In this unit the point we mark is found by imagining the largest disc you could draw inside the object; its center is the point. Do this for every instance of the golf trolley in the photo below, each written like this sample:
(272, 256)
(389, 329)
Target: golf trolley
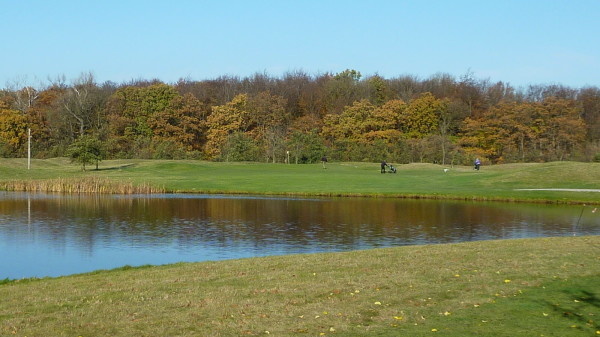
(391, 169)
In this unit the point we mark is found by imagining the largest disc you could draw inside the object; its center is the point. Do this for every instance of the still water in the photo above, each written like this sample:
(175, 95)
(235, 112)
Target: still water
(53, 234)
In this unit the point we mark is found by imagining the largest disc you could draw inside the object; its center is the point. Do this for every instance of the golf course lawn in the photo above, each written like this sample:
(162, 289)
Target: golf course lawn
(510, 182)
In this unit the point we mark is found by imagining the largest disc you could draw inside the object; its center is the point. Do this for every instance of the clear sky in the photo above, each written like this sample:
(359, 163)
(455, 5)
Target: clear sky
(520, 42)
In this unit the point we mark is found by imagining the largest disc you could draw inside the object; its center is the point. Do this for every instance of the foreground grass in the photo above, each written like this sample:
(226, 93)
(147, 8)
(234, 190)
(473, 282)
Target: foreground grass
(533, 287)
(498, 182)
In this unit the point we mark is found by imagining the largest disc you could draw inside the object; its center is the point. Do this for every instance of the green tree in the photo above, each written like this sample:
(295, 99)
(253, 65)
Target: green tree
(378, 90)
(240, 147)
(306, 147)
(86, 149)
(128, 111)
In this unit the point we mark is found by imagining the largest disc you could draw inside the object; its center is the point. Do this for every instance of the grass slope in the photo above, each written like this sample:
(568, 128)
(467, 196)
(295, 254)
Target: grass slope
(532, 287)
(498, 182)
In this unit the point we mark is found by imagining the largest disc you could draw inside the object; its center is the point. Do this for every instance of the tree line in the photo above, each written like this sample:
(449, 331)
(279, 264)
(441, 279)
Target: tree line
(301, 117)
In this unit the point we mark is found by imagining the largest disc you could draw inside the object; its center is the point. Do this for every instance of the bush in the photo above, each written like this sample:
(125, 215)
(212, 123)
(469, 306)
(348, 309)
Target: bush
(240, 147)
(167, 150)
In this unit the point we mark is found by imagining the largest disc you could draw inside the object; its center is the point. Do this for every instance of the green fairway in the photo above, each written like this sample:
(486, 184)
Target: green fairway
(498, 182)
(531, 287)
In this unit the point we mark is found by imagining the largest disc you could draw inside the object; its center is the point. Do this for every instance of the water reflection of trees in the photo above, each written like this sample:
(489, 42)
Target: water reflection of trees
(260, 222)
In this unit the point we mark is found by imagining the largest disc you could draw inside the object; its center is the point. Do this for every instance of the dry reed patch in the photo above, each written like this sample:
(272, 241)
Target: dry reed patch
(79, 185)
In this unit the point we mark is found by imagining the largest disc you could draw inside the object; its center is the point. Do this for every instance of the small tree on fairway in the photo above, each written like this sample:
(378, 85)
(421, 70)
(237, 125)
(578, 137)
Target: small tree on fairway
(86, 150)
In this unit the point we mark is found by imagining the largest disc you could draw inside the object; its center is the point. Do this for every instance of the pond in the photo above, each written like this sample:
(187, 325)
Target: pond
(53, 234)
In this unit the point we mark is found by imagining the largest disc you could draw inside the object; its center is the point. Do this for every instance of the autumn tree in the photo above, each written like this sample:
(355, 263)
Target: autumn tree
(13, 131)
(342, 89)
(268, 122)
(440, 85)
(45, 123)
(349, 118)
(404, 87)
(355, 132)
(449, 116)
(469, 92)
(589, 100)
(83, 103)
(563, 129)
(181, 124)
(529, 131)
(296, 87)
(223, 121)
(421, 116)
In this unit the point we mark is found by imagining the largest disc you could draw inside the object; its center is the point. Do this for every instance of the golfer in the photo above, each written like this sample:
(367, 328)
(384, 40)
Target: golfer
(383, 165)
(477, 164)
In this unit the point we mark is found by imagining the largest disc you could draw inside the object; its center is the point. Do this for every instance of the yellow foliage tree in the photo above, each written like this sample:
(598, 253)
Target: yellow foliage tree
(13, 129)
(422, 116)
(225, 120)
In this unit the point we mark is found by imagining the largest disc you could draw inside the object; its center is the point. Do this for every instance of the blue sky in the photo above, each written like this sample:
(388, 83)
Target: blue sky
(520, 42)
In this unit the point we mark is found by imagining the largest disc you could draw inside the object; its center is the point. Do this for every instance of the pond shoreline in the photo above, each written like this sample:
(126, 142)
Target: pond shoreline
(106, 186)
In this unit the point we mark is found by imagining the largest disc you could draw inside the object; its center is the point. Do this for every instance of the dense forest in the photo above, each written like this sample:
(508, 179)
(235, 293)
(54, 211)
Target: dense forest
(301, 117)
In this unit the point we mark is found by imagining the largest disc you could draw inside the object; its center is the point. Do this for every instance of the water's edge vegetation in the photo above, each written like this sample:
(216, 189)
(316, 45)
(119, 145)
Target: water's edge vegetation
(79, 185)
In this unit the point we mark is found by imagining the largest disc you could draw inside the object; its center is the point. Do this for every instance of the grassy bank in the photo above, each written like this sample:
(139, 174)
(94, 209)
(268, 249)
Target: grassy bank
(533, 287)
(498, 182)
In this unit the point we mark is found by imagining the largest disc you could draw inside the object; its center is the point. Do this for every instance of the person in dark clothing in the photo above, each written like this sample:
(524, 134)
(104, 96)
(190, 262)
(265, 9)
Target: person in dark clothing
(383, 166)
(324, 161)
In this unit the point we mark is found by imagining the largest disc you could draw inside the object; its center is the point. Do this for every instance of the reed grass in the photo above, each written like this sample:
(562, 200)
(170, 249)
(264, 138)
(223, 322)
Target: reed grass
(80, 185)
